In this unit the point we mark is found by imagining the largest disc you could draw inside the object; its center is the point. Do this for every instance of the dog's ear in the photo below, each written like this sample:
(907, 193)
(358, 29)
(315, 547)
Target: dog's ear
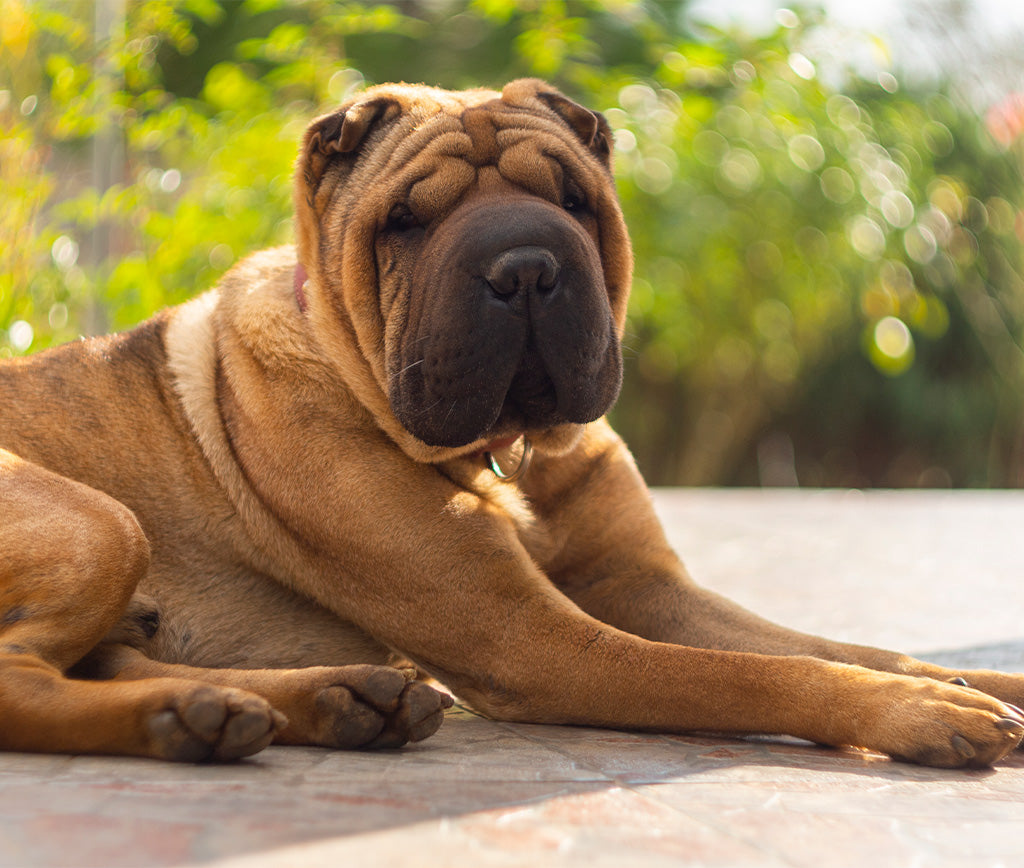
(342, 132)
(591, 127)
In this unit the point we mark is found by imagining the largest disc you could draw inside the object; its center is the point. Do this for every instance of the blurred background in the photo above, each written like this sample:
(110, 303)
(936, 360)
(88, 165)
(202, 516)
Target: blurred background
(825, 202)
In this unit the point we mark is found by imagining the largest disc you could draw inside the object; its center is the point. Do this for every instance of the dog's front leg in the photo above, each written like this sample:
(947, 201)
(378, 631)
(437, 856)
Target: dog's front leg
(450, 585)
(502, 637)
(616, 564)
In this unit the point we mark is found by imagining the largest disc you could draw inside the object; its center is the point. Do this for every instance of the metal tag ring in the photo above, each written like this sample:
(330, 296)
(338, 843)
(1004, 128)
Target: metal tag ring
(524, 463)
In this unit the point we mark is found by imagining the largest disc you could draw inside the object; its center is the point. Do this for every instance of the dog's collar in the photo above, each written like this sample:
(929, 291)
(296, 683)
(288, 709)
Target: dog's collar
(524, 459)
(299, 281)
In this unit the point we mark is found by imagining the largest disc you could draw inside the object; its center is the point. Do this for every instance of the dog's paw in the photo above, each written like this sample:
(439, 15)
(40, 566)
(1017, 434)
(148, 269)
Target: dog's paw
(1007, 687)
(419, 715)
(212, 723)
(945, 725)
(370, 706)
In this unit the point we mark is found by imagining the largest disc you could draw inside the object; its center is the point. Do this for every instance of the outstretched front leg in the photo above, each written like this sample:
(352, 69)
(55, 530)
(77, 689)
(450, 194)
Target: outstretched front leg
(627, 575)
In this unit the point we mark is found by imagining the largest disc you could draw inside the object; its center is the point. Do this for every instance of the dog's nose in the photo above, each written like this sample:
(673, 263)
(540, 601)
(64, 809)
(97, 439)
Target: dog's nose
(523, 269)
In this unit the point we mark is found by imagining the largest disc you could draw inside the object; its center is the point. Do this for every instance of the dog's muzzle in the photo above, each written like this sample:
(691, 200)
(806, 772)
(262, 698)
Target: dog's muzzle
(509, 326)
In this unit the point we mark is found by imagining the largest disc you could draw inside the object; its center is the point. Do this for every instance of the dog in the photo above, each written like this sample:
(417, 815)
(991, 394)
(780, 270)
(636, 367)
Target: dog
(259, 516)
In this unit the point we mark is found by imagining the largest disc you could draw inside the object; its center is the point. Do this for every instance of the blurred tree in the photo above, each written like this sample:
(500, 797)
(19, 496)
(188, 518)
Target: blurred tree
(828, 278)
(800, 254)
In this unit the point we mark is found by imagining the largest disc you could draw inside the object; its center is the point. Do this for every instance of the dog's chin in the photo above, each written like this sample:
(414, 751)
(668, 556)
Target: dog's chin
(551, 441)
(528, 404)
(551, 435)
(557, 440)
(509, 426)
(513, 421)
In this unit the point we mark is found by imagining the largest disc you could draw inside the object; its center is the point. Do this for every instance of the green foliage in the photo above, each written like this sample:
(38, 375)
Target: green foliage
(830, 273)
(790, 238)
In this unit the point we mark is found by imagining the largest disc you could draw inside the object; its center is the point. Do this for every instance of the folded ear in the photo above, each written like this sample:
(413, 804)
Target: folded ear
(342, 132)
(591, 127)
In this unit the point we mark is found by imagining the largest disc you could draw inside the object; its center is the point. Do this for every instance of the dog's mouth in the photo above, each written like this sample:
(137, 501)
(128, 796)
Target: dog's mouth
(503, 412)
(531, 400)
(491, 392)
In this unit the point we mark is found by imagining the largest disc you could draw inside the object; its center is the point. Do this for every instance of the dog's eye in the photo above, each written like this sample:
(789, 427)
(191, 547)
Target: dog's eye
(401, 219)
(574, 203)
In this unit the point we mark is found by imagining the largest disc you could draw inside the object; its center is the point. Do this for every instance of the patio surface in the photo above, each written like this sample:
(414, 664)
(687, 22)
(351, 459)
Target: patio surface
(937, 574)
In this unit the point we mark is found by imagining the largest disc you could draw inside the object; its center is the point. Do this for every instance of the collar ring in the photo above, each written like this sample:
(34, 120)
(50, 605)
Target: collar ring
(520, 469)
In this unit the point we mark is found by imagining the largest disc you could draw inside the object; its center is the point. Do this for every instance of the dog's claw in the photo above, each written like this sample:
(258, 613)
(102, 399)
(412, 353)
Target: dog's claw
(963, 747)
(1010, 726)
(1018, 712)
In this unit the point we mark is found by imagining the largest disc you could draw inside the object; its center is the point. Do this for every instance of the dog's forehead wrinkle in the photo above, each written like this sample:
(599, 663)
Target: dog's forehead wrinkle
(479, 124)
(438, 155)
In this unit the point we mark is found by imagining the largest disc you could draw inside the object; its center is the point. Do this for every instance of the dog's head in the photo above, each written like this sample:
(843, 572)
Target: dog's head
(467, 261)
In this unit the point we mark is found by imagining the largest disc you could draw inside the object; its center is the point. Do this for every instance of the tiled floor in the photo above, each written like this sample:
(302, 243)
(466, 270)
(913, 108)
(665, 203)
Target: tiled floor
(936, 574)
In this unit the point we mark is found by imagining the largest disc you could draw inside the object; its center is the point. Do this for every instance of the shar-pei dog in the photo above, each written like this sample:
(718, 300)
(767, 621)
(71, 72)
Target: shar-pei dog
(267, 514)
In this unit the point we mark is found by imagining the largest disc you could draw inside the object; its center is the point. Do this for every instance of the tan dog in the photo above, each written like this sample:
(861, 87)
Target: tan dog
(294, 471)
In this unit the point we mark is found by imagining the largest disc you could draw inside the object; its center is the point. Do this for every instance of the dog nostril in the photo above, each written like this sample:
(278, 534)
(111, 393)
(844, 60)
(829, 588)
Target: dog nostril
(523, 268)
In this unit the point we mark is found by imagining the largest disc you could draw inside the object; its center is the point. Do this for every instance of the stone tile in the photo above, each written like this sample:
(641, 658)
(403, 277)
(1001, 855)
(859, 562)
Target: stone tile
(811, 840)
(467, 746)
(608, 754)
(881, 568)
(637, 758)
(826, 795)
(93, 839)
(18, 767)
(601, 827)
(577, 827)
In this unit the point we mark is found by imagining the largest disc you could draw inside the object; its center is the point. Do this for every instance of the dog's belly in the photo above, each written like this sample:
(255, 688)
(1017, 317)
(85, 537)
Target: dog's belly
(224, 615)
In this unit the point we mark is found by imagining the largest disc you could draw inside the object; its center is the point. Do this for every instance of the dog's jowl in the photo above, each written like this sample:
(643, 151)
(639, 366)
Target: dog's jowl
(378, 455)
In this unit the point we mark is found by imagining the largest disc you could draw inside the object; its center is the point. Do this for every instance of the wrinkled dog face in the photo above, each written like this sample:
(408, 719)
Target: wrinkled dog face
(499, 311)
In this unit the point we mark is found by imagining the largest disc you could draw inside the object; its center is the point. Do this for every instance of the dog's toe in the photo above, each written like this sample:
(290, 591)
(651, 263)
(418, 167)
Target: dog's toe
(419, 715)
(365, 706)
(213, 723)
(345, 721)
(378, 686)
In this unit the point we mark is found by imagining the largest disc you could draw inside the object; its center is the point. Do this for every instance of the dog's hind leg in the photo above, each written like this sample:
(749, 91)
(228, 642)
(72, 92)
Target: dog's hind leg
(70, 558)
